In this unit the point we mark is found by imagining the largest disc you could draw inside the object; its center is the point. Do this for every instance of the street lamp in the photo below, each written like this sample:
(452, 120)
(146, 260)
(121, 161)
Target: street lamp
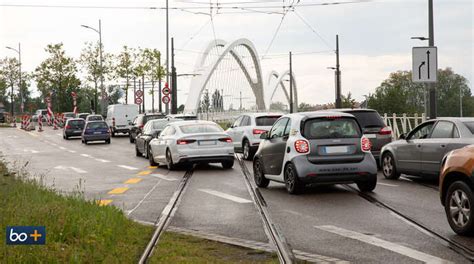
(100, 62)
(19, 81)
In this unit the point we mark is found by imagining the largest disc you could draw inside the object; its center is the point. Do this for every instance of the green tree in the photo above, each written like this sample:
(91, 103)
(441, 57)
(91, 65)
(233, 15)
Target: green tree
(9, 75)
(278, 106)
(348, 101)
(57, 75)
(304, 107)
(114, 94)
(124, 68)
(153, 70)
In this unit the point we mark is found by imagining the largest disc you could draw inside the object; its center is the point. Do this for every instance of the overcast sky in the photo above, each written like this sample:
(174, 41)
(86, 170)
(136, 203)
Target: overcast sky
(374, 36)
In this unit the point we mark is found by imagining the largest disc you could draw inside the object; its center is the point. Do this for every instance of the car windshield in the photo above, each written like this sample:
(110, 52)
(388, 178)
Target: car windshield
(368, 118)
(200, 128)
(95, 118)
(470, 126)
(159, 124)
(324, 128)
(266, 120)
(96, 125)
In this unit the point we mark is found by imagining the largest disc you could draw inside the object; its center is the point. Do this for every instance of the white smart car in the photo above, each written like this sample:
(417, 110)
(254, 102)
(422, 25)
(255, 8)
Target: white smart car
(188, 142)
(246, 130)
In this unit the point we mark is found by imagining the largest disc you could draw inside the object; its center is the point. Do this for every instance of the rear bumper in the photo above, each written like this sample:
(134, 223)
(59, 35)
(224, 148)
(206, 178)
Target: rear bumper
(209, 159)
(335, 173)
(124, 130)
(96, 137)
(72, 133)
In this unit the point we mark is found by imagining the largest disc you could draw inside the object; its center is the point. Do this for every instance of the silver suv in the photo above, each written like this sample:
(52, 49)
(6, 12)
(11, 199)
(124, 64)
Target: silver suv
(246, 131)
(315, 148)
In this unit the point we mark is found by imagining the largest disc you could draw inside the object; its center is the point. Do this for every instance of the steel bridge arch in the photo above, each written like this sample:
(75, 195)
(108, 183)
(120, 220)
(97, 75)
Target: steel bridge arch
(280, 82)
(199, 82)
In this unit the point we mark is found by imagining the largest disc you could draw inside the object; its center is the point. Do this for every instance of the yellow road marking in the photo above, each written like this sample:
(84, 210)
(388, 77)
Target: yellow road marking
(153, 167)
(103, 202)
(143, 173)
(118, 190)
(133, 180)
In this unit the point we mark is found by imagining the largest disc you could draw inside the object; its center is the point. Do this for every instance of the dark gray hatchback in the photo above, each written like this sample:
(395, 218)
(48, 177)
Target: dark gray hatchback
(73, 128)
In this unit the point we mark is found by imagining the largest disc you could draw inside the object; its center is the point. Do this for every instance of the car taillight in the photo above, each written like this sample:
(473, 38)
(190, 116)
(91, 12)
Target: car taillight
(228, 140)
(256, 131)
(185, 141)
(68, 127)
(140, 126)
(365, 144)
(385, 131)
(302, 146)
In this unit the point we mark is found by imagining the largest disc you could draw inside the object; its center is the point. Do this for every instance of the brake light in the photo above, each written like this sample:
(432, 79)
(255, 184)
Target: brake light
(365, 144)
(68, 127)
(140, 126)
(385, 131)
(185, 141)
(333, 117)
(228, 140)
(256, 131)
(301, 146)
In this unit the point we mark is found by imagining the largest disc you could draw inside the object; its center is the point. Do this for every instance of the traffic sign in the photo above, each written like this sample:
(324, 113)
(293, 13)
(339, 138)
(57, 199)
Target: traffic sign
(165, 99)
(139, 93)
(138, 101)
(425, 64)
(166, 91)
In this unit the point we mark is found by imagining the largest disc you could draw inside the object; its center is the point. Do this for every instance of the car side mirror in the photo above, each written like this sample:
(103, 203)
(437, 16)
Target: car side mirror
(403, 136)
(264, 135)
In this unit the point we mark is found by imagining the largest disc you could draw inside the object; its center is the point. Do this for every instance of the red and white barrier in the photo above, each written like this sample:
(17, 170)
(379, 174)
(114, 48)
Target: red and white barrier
(55, 123)
(27, 123)
(40, 123)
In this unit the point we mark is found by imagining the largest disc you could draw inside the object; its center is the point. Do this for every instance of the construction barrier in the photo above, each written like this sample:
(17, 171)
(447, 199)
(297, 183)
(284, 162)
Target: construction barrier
(55, 123)
(28, 123)
(40, 123)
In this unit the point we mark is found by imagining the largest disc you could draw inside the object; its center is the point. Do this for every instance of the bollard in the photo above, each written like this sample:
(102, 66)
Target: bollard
(27, 123)
(55, 123)
(40, 123)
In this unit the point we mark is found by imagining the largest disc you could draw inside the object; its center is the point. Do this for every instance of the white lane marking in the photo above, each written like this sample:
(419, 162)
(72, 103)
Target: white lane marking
(102, 160)
(86, 155)
(163, 177)
(406, 251)
(58, 134)
(127, 167)
(143, 199)
(386, 184)
(225, 196)
(63, 148)
(54, 144)
(77, 170)
(71, 151)
(31, 150)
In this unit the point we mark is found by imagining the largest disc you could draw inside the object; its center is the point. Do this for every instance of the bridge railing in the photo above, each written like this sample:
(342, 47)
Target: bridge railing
(402, 123)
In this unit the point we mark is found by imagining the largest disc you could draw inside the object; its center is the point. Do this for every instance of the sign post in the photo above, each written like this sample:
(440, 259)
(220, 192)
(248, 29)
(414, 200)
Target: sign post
(166, 97)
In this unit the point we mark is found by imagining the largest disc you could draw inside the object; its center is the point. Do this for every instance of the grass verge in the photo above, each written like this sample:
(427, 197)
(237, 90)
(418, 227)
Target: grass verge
(178, 248)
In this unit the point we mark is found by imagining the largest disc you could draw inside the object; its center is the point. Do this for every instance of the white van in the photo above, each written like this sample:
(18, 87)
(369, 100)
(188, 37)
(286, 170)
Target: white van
(119, 116)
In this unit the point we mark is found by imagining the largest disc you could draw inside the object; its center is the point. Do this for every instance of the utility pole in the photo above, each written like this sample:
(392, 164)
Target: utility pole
(143, 90)
(291, 84)
(102, 102)
(460, 101)
(140, 105)
(160, 109)
(174, 87)
(431, 86)
(338, 76)
(167, 50)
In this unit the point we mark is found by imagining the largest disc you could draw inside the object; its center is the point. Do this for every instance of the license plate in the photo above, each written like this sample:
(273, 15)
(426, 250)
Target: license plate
(370, 135)
(337, 149)
(207, 143)
(77, 131)
(95, 133)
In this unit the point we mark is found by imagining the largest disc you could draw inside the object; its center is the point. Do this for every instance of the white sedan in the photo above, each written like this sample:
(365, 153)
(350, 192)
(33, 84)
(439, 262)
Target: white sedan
(188, 142)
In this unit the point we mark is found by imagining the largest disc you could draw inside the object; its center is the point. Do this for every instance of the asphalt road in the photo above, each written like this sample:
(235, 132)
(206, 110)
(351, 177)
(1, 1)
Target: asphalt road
(332, 221)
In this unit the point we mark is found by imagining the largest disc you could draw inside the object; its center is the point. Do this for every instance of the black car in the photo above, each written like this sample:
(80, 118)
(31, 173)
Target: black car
(2, 117)
(73, 128)
(139, 122)
(151, 130)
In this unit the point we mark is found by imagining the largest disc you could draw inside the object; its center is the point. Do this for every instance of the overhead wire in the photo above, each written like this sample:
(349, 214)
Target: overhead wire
(312, 29)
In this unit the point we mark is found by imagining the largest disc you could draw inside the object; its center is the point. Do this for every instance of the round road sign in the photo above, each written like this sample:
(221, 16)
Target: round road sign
(166, 91)
(138, 100)
(165, 99)
(139, 93)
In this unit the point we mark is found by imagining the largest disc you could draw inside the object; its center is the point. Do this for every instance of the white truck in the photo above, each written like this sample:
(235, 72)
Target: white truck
(119, 117)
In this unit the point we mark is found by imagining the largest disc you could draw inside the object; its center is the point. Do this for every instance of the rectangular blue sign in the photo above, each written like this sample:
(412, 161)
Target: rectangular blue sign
(26, 235)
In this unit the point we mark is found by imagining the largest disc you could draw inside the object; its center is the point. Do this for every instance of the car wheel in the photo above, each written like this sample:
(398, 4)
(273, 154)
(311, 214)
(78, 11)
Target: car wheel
(132, 140)
(137, 152)
(247, 151)
(292, 182)
(169, 160)
(107, 141)
(85, 142)
(458, 208)
(66, 137)
(369, 185)
(228, 164)
(258, 175)
(151, 159)
(388, 167)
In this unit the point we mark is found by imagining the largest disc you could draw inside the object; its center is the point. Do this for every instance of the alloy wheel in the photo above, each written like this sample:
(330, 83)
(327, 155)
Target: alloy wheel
(246, 150)
(290, 178)
(387, 165)
(459, 208)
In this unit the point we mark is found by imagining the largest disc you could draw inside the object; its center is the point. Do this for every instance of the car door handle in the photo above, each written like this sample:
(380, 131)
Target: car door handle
(443, 145)
(418, 146)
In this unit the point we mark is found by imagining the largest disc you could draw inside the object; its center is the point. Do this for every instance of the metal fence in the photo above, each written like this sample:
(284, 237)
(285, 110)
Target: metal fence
(402, 123)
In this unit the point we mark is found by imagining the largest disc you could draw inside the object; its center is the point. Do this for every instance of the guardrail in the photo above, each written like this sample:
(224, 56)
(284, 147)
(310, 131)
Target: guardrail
(402, 124)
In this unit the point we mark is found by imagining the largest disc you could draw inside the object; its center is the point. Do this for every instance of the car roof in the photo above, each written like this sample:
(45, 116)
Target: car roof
(96, 121)
(458, 119)
(95, 115)
(352, 110)
(259, 114)
(190, 122)
(315, 114)
(75, 119)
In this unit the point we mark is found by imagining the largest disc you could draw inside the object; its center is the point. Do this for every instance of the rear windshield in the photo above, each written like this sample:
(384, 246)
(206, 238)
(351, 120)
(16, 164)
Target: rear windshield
(95, 118)
(325, 128)
(76, 123)
(69, 114)
(470, 126)
(200, 128)
(159, 125)
(151, 117)
(97, 125)
(368, 119)
(266, 120)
